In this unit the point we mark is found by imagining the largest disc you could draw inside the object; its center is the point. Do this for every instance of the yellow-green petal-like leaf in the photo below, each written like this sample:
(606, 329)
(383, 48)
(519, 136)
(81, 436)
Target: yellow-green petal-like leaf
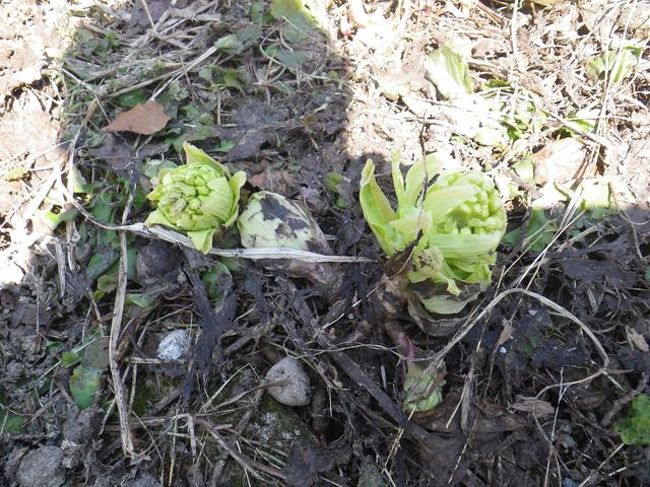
(449, 72)
(157, 217)
(464, 246)
(376, 208)
(202, 239)
(420, 173)
(197, 156)
(237, 181)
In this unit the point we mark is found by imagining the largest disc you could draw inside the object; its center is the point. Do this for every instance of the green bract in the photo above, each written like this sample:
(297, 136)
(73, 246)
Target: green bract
(271, 220)
(422, 388)
(198, 198)
(455, 225)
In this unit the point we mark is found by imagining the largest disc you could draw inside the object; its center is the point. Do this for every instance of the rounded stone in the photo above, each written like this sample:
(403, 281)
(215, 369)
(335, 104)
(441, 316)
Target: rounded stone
(290, 383)
(174, 345)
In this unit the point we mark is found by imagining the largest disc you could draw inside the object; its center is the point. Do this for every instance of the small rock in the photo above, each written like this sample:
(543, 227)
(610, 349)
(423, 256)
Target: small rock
(174, 345)
(294, 389)
(42, 468)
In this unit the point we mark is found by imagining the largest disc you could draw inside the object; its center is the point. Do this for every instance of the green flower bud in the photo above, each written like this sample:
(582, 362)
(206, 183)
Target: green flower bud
(461, 219)
(198, 198)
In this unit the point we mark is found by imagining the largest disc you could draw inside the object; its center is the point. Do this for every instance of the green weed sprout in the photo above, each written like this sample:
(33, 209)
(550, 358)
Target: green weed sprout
(455, 225)
(197, 198)
(635, 427)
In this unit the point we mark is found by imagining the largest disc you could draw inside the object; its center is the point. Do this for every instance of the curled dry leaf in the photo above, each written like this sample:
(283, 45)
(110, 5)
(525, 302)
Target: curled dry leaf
(559, 161)
(145, 119)
(636, 339)
(537, 407)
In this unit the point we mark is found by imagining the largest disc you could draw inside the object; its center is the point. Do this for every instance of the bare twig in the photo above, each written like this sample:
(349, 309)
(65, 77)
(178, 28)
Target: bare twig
(116, 324)
(252, 254)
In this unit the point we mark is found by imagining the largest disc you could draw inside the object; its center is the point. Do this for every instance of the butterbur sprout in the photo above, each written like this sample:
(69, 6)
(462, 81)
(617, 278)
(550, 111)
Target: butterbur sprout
(455, 225)
(198, 198)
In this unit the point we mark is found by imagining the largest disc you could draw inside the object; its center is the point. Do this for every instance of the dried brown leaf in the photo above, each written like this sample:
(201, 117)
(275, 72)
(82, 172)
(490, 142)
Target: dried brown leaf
(537, 407)
(278, 181)
(636, 339)
(145, 119)
(559, 161)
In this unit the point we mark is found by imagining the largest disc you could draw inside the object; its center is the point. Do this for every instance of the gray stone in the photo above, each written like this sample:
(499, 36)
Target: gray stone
(293, 388)
(174, 345)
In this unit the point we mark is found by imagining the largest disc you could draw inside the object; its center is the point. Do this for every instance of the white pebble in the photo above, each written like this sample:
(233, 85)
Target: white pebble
(295, 388)
(174, 345)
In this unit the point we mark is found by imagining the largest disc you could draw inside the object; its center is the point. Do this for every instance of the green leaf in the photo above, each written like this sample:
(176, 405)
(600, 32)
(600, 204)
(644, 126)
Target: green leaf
(100, 262)
(257, 12)
(214, 280)
(69, 358)
(11, 423)
(449, 72)
(95, 352)
(230, 44)
(102, 207)
(231, 79)
(540, 231)
(133, 98)
(53, 219)
(635, 427)
(225, 146)
(376, 209)
(107, 283)
(616, 63)
(140, 300)
(582, 120)
(202, 239)
(300, 21)
(84, 384)
(239, 41)
(336, 184)
(422, 388)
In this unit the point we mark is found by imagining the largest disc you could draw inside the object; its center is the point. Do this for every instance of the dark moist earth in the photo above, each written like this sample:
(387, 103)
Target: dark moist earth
(538, 370)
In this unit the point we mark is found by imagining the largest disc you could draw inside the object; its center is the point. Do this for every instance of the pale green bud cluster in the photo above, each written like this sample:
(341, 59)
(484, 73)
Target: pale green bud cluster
(456, 227)
(198, 198)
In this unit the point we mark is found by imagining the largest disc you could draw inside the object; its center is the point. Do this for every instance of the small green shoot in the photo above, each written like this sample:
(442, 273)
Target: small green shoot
(449, 72)
(617, 64)
(635, 427)
(84, 384)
